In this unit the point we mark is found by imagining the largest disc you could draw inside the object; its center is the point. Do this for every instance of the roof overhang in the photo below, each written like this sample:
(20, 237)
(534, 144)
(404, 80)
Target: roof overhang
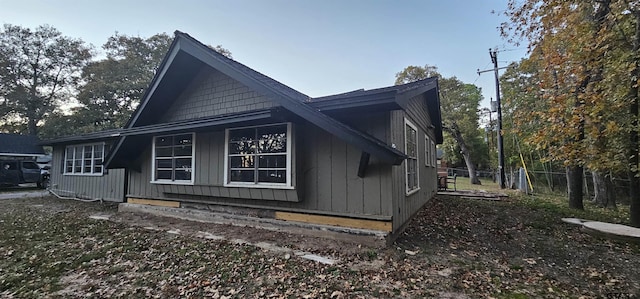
(127, 150)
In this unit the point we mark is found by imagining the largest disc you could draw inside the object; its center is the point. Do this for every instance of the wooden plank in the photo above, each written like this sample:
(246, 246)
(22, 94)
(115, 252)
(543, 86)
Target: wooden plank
(338, 175)
(153, 202)
(321, 171)
(355, 184)
(335, 221)
(372, 196)
(203, 158)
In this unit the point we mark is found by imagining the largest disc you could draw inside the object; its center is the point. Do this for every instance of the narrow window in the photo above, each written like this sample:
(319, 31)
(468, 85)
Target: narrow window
(427, 155)
(173, 158)
(411, 150)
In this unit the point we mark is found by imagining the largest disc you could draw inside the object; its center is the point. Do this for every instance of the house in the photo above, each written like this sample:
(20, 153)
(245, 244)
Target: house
(20, 147)
(211, 133)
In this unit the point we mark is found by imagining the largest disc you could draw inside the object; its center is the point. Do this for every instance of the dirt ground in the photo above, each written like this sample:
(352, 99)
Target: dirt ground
(454, 248)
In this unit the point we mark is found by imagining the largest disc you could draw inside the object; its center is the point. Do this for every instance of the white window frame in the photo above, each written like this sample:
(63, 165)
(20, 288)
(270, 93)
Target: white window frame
(427, 152)
(433, 153)
(82, 159)
(193, 162)
(409, 191)
(289, 154)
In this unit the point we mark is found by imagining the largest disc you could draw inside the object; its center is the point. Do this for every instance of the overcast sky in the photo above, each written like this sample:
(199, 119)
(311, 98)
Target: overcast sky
(316, 47)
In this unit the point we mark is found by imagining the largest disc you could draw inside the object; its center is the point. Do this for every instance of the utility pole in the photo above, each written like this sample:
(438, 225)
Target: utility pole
(494, 59)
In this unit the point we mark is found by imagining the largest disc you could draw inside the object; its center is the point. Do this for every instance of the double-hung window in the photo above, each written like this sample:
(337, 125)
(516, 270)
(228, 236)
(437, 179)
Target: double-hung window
(433, 153)
(411, 150)
(173, 158)
(84, 159)
(259, 156)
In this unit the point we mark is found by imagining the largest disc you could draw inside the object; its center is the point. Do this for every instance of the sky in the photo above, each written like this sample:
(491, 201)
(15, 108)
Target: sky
(316, 47)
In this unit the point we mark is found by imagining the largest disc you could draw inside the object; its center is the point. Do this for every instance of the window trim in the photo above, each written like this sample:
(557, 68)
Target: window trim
(73, 166)
(427, 152)
(289, 154)
(417, 159)
(433, 153)
(193, 162)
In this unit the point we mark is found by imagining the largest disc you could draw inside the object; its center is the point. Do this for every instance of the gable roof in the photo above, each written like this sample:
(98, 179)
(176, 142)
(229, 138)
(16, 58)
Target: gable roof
(187, 56)
(20, 145)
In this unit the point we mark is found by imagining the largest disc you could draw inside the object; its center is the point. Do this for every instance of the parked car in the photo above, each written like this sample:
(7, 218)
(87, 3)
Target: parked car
(14, 172)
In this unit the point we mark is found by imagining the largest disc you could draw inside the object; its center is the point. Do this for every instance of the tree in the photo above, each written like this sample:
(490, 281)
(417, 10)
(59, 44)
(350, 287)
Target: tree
(459, 105)
(40, 70)
(115, 85)
(588, 53)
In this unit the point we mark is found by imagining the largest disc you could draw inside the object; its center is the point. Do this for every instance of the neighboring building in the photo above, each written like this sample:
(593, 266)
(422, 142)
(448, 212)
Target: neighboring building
(20, 147)
(211, 133)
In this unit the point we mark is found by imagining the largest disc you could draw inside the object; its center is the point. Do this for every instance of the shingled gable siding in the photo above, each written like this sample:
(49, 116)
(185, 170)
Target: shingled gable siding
(325, 175)
(404, 207)
(108, 187)
(213, 93)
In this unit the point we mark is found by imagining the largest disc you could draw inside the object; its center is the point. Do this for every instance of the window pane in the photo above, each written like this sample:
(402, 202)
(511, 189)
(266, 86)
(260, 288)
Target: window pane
(273, 146)
(273, 161)
(242, 134)
(164, 152)
(163, 174)
(272, 132)
(30, 165)
(164, 163)
(183, 163)
(164, 141)
(97, 169)
(242, 147)
(242, 162)
(183, 174)
(183, 139)
(88, 151)
(87, 168)
(242, 175)
(272, 176)
(182, 150)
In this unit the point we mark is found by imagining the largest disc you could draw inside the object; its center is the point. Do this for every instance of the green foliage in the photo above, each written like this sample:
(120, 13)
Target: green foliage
(459, 103)
(40, 70)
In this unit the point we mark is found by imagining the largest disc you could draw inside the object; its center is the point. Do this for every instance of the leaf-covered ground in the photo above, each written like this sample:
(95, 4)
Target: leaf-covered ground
(453, 249)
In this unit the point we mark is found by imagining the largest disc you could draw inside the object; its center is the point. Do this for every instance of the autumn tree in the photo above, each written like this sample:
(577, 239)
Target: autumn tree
(459, 105)
(40, 70)
(588, 53)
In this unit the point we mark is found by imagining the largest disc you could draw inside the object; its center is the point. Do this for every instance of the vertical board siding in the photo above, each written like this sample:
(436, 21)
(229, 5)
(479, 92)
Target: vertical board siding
(406, 206)
(325, 166)
(214, 93)
(108, 187)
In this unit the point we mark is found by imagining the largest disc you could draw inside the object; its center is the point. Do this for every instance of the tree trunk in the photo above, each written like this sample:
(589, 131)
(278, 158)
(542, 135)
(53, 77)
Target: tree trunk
(574, 185)
(603, 190)
(634, 180)
(466, 154)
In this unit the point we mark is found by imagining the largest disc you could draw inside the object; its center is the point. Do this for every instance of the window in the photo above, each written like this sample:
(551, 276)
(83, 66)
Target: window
(433, 153)
(427, 155)
(259, 156)
(411, 150)
(173, 158)
(85, 159)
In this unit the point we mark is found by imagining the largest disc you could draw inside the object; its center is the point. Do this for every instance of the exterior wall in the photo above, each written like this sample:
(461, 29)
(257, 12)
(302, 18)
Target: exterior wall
(108, 187)
(213, 93)
(324, 169)
(405, 206)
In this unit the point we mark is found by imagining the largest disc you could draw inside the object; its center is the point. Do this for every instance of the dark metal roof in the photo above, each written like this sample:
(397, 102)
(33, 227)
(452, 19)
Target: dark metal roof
(89, 137)
(185, 59)
(20, 144)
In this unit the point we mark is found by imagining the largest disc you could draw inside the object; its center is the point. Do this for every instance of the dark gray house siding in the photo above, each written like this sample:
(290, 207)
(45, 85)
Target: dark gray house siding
(214, 93)
(108, 187)
(405, 206)
(324, 171)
